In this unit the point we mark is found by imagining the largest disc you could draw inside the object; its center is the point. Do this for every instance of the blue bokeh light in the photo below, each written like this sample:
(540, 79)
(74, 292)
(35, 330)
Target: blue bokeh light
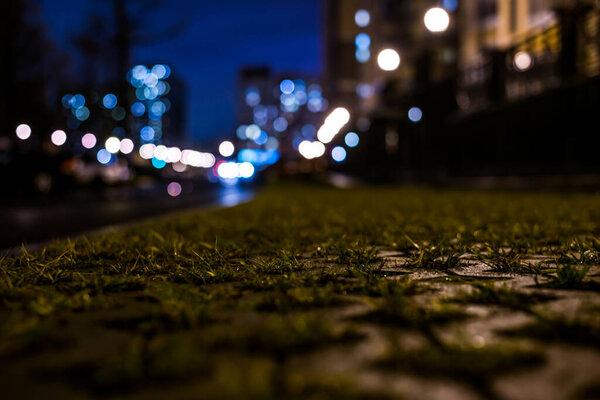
(82, 113)
(338, 153)
(362, 41)
(363, 55)
(351, 139)
(158, 164)
(138, 109)
(415, 114)
(450, 5)
(77, 101)
(262, 138)
(287, 86)
(280, 124)
(110, 101)
(104, 157)
(147, 133)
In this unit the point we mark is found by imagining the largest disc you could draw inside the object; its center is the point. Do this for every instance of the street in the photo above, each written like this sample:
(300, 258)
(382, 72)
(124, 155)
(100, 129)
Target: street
(45, 220)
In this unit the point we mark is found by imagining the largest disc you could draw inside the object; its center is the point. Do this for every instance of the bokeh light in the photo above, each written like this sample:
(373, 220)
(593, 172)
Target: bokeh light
(88, 140)
(252, 96)
(338, 154)
(23, 131)
(226, 148)
(333, 124)
(58, 137)
(287, 86)
(523, 61)
(436, 20)
(245, 170)
(174, 189)
(362, 18)
(109, 101)
(280, 124)
(103, 156)
(147, 133)
(415, 114)
(81, 113)
(126, 146)
(158, 164)
(147, 151)
(138, 109)
(112, 144)
(351, 139)
(388, 60)
(362, 41)
(450, 5)
(310, 150)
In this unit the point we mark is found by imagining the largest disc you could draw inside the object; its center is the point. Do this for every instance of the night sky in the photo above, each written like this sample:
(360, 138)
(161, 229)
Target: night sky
(223, 36)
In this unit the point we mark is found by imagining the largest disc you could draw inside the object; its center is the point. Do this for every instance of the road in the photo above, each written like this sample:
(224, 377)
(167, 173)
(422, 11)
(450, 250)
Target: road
(28, 222)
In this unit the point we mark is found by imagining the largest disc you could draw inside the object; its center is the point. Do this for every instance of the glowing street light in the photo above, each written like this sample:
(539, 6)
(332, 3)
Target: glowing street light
(523, 61)
(388, 60)
(23, 131)
(226, 148)
(58, 137)
(437, 19)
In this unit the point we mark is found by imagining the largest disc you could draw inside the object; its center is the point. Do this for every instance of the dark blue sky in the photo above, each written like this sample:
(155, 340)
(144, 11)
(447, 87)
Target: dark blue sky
(223, 36)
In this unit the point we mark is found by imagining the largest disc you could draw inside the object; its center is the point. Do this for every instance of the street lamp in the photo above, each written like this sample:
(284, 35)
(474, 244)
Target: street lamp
(436, 20)
(388, 60)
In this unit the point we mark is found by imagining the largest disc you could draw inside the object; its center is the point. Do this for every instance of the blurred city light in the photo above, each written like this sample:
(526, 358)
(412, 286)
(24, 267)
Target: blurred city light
(523, 61)
(415, 114)
(364, 90)
(351, 139)
(259, 157)
(228, 170)
(450, 5)
(388, 60)
(147, 151)
(362, 18)
(287, 86)
(109, 101)
(310, 150)
(23, 131)
(252, 96)
(158, 164)
(138, 109)
(58, 137)
(103, 156)
(333, 124)
(126, 146)
(362, 41)
(77, 101)
(173, 155)
(226, 148)
(112, 145)
(280, 124)
(252, 131)
(147, 133)
(161, 152)
(88, 140)
(174, 189)
(436, 19)
(338, 153)
(82, 113)
(245, 170)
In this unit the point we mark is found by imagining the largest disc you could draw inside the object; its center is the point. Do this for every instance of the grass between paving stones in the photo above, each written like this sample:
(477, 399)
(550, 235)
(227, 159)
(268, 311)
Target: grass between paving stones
(237, 303)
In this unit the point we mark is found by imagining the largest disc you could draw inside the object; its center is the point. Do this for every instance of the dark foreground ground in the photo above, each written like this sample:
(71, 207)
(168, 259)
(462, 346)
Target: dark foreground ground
(310, 292)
